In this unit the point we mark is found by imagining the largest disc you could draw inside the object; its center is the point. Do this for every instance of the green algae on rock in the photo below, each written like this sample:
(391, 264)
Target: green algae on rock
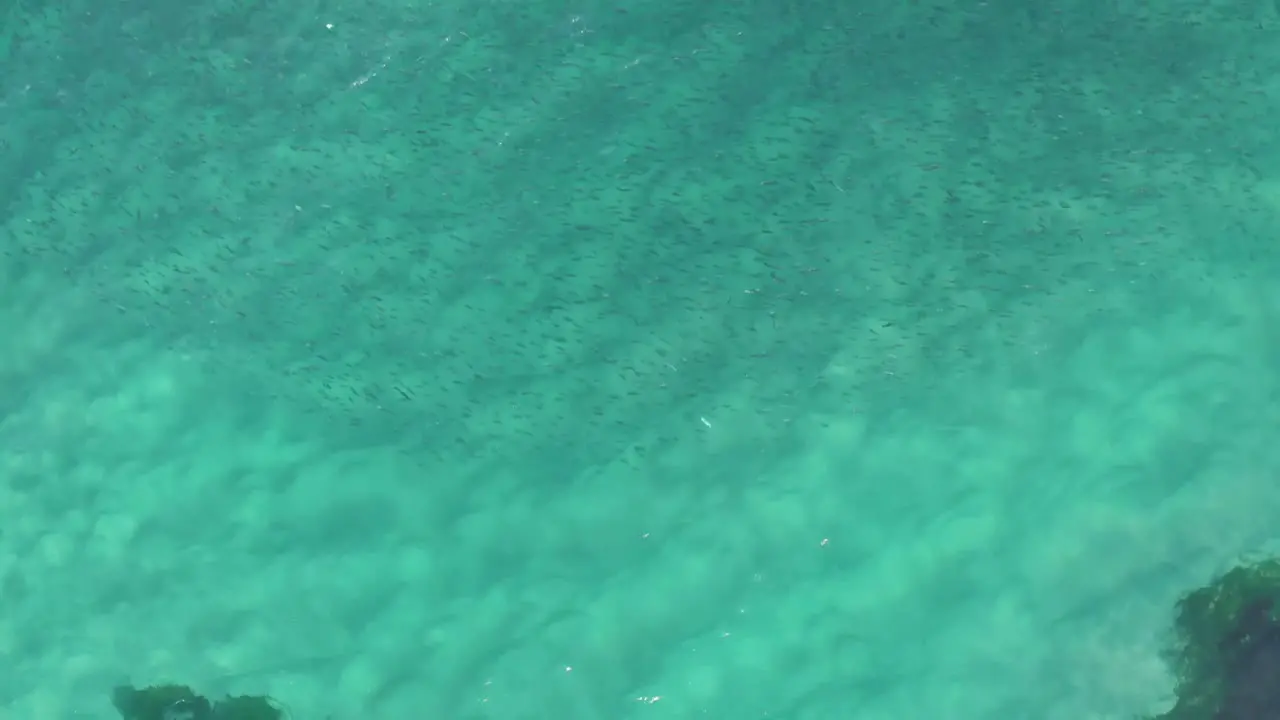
(1227, 661)
(178, 702)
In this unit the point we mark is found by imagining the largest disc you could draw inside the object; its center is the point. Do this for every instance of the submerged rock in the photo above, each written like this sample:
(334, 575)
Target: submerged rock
(178, 702)
(1227, 660)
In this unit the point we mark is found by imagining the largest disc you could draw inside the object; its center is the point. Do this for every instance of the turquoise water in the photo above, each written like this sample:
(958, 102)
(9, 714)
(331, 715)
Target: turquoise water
(611, 360)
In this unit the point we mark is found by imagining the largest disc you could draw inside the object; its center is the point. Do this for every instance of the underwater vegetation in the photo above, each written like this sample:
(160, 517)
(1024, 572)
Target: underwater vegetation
(1227, 660)
(178, 702)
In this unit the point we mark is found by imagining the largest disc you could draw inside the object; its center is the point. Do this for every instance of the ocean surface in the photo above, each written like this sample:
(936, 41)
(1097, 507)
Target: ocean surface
(631, 359)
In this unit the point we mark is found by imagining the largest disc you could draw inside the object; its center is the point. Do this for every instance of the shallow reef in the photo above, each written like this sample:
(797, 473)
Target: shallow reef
(1227, 653)
(178, 702)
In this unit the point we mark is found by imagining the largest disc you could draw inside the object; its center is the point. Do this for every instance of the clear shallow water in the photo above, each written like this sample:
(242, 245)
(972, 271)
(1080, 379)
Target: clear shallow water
(630, 360)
